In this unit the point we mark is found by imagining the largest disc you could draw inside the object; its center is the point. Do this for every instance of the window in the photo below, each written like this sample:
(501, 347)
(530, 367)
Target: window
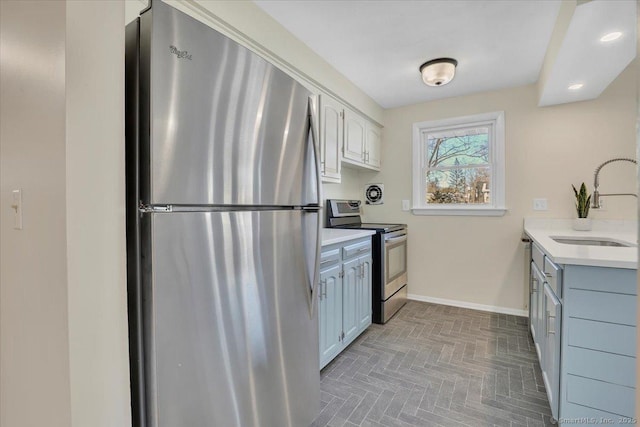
(458, 166)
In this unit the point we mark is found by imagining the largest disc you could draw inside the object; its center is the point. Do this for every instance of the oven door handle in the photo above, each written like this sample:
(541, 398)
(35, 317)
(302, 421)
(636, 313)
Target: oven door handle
(392, 240)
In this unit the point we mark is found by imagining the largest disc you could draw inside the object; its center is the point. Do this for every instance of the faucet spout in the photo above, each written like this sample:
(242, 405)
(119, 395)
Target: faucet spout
(596, 182)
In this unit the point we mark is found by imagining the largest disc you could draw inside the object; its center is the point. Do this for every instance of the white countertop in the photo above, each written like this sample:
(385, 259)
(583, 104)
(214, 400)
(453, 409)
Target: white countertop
(339, 235)
(541, 232)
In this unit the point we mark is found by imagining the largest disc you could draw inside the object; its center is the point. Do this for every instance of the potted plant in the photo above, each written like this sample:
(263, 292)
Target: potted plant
(583, 203)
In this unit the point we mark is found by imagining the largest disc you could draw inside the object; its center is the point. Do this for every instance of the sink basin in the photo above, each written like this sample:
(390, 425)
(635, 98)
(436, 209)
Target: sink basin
(591, 241)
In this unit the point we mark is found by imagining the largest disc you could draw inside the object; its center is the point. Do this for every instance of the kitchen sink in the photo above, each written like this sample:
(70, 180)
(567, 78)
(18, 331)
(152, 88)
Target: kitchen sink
(591, 241)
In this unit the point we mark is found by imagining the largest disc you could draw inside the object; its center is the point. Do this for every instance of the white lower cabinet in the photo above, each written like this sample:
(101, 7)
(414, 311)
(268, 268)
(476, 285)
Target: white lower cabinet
(330, 303)
(350, 287)
(344, 296)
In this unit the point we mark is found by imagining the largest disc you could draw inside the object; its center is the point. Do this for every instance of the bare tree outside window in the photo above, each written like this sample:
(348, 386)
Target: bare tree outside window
(458, 166)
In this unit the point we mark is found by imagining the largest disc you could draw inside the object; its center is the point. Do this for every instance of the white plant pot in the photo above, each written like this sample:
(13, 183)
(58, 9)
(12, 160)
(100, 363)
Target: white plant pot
(582, 224)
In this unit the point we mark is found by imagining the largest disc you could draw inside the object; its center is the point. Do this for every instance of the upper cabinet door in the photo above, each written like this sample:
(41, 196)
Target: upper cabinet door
(354, 136)
(373, 147)
(331, 138)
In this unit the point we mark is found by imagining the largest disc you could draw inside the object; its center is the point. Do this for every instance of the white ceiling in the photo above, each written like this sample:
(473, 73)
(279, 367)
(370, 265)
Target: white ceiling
(379, 45)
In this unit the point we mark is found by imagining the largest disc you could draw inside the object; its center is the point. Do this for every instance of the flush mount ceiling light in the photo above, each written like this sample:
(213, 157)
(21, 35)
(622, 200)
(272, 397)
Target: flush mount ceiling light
(611, 36)
(576, 86)
(438, 72)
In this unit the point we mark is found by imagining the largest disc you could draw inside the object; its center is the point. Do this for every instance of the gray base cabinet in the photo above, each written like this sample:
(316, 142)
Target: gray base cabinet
(583, 322)
(599, 346)
(545, 320)
(551, 348)
(329, 306)
(344, 296)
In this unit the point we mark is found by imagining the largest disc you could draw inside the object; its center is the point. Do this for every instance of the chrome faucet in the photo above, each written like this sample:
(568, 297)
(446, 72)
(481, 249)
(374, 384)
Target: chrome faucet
(596, 183)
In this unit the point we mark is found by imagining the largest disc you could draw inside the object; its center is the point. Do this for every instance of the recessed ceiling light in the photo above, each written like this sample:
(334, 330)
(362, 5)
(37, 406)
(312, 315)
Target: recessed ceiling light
(611, 36)
(576, 86)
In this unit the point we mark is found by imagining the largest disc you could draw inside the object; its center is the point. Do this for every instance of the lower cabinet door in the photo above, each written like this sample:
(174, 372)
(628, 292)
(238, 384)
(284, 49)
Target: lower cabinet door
(539, 319)
(330, 313)
(551, 352)
(364, 294)
(350, 321)
(534, 287)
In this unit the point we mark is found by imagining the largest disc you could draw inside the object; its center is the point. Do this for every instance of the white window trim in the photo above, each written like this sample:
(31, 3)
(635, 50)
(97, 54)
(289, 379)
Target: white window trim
(497, 167)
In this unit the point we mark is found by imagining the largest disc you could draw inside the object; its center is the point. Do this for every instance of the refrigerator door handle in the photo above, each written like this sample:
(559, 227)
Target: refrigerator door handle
(315, 271)
(316, 149)
(315, 276)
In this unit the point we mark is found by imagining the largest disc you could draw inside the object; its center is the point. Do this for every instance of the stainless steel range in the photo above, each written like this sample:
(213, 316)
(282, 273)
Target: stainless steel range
(389, 256)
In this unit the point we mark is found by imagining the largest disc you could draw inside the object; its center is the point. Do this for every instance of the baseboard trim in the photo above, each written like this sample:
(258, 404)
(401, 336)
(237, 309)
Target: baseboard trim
(471, 305)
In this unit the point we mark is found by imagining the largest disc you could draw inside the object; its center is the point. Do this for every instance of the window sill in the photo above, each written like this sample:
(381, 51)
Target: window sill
(450, 211)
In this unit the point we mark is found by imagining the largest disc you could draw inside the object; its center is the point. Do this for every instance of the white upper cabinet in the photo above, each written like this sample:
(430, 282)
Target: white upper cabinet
(354, 137)
(372, 145)
(331, 138)
(361, 141)
(346, 136)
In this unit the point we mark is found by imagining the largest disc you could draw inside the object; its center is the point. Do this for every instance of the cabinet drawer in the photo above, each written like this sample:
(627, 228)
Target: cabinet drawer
(612, 368)
(329, 258)
(603, 396)
(609, 337)
(617, 280)
(553, 275)
(537, 256)
(356, 249)
(602, 306)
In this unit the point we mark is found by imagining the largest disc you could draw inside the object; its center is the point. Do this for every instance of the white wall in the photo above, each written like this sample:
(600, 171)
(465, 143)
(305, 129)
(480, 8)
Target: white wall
(480, 259)
(98, 335)
(34, 344)
(63, 333)
(351, 186)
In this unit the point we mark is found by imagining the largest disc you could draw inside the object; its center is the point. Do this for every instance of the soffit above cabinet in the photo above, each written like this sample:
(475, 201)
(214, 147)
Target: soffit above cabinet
(577, 56)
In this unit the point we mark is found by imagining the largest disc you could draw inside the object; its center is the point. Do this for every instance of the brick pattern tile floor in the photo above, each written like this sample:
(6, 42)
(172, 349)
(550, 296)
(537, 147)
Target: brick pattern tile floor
(435, 365)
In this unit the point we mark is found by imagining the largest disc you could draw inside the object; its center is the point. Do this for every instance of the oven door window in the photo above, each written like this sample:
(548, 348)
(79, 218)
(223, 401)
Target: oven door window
(396, 259)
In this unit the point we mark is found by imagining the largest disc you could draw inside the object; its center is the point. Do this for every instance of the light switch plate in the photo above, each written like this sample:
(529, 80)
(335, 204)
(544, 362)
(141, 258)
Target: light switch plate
(16, 205)
(405, 205)
(540, 204)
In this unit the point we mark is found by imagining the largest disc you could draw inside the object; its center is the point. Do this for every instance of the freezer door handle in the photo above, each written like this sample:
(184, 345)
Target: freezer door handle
(316, 150)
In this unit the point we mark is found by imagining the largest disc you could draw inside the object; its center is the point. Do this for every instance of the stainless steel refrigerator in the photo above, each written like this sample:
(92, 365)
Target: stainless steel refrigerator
(223, 231)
